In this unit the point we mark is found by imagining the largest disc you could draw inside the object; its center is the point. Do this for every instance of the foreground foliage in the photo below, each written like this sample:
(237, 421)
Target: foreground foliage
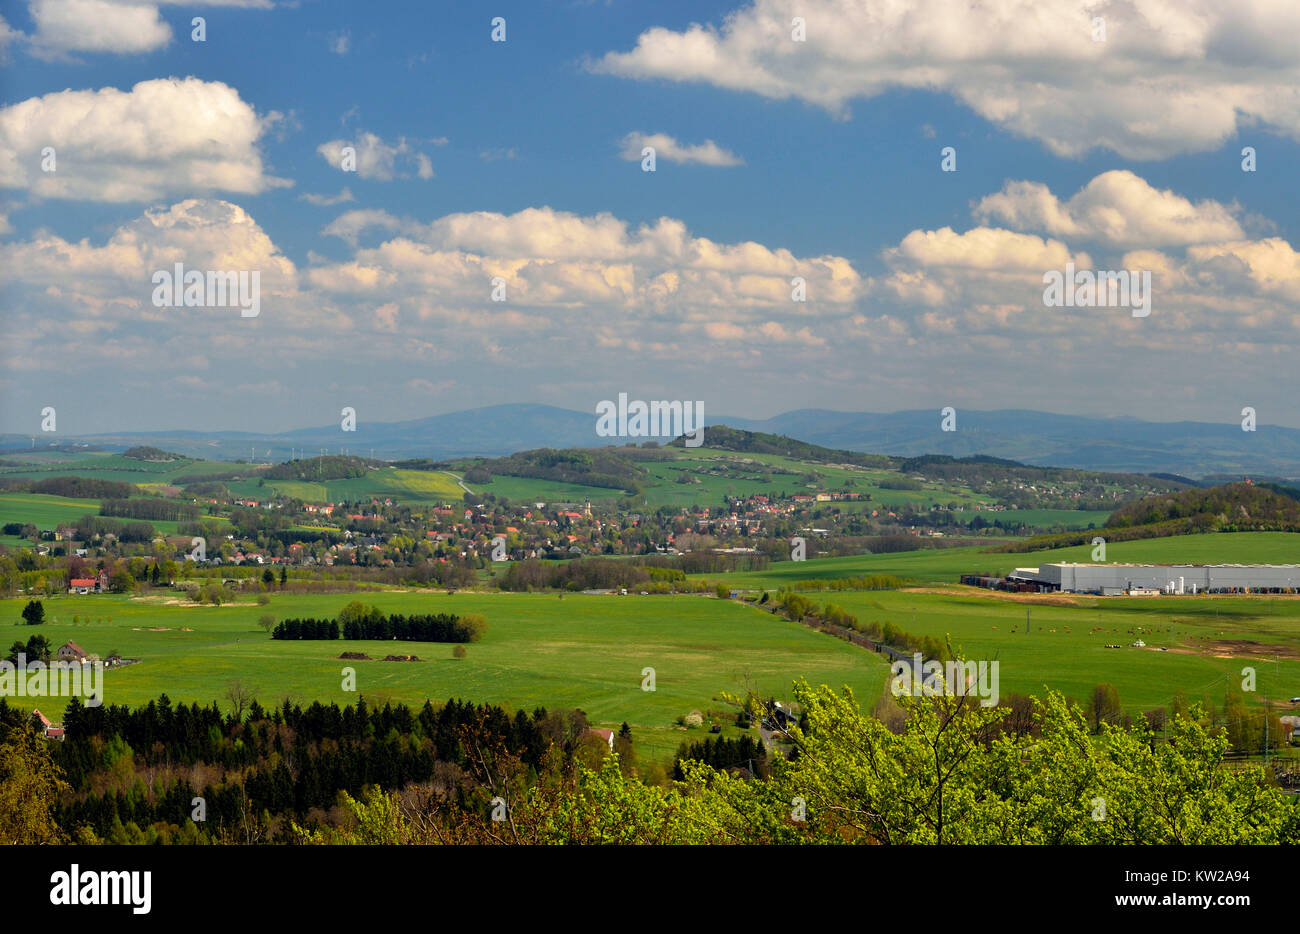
(953, 775)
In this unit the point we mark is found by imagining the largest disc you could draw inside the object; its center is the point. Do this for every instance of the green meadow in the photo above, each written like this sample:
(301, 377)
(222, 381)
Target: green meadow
(44, 511)
(530, 490)
(539, 650)
(102, 465)
(589, 651)
(49, 512)
(725, 473)
(406, 486)
(1206, 642)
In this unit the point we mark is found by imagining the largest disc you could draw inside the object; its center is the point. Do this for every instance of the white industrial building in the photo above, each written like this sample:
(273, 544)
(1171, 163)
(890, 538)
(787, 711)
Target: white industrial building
(1114, 579)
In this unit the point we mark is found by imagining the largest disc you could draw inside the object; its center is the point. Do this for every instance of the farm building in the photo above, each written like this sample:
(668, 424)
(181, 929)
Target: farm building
(84, 585)
(71, 652)
(1113, 579)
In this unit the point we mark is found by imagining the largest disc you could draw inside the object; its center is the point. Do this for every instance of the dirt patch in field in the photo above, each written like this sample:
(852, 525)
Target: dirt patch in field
(184, 601)
(1044, 599)
(356, 657)
(1238, 648)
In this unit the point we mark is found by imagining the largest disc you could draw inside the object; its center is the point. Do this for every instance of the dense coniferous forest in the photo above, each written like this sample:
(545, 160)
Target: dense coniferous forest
(151, 507)
(255, 771)
(435, 627)
(71, 487)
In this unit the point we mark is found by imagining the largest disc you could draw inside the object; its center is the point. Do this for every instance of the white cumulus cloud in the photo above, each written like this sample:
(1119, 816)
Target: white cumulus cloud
(670, 150)
(164, 136)
(121, 27)
(1116, 208)
(375, 159)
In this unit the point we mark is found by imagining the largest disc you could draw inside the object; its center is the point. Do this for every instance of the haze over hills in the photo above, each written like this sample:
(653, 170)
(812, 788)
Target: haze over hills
(1126, 444)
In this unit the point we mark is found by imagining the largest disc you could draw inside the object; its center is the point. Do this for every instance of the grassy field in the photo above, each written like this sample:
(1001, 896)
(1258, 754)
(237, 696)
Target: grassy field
(1067, 519)
(589, 651)
(49, 512)
(44, 511)
(1208, 640)
(726, 473)
(581, 651)
(102, 465)
(405, 486)
(945, 565)
(529, 490)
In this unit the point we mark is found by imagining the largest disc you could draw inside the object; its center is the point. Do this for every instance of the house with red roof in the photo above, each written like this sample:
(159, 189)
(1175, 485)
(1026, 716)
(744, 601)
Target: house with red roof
(51, 730)
(84, 585)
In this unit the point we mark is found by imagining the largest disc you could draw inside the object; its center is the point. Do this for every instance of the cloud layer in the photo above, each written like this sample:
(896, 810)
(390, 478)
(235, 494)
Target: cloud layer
(1168, 78)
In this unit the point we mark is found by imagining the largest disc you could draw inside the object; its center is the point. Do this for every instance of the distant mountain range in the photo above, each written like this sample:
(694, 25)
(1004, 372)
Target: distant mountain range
(1193, 449)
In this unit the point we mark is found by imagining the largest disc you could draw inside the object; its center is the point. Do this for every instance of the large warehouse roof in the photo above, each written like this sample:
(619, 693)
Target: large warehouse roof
(1083, 564)
(1174, 578)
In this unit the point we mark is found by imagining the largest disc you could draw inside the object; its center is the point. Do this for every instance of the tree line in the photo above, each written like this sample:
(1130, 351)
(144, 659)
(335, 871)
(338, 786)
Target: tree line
(71, 487)
(358, 622)
(156, 508)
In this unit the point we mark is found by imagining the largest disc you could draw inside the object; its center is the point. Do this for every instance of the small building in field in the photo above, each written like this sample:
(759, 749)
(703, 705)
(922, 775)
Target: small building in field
(71, 652)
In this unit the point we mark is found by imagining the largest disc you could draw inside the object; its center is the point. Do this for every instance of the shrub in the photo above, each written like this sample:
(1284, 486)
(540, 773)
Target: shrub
(693, 719)
(459, 651)
(473, 625)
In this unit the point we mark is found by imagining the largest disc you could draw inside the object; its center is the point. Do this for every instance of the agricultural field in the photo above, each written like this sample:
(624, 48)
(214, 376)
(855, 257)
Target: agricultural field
(101, 465)
(44, 511)
(404, 486)
(580, 651)
(726, 473)
(532, 490)
(1067, 519)
(1196, 645)
(49, 512)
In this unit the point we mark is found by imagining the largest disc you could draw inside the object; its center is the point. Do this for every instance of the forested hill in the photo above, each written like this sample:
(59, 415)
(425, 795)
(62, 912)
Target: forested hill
(980, 468)
(156, 455)
(1233, 507)
(722, 438)
(601, 467)
(328, 467)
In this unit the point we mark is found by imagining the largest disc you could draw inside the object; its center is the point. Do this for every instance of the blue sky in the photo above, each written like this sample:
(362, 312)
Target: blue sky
(835, 176)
